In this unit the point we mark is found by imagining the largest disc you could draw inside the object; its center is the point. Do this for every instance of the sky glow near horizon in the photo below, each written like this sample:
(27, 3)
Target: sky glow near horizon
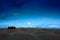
(43, 23)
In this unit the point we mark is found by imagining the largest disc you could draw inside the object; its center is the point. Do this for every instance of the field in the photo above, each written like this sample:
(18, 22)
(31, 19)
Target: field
(29, 34)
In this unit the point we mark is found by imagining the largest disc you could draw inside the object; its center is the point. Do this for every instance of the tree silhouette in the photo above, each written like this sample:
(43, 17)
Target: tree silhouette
(12, 27)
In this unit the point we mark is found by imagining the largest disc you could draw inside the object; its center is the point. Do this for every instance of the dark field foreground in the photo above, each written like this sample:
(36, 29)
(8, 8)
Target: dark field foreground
(29, 34)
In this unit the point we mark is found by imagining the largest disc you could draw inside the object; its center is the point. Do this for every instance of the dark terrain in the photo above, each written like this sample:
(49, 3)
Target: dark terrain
(30, 34)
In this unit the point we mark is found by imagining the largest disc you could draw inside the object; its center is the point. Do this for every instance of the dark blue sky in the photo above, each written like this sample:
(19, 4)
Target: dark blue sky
(36, 12)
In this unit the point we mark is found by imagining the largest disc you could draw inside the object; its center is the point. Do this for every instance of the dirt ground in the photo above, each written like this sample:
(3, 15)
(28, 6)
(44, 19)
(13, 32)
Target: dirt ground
(30, 34)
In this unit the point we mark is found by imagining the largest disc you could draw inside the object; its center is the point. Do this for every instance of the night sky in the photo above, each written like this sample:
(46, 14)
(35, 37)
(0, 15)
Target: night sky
(30, 13)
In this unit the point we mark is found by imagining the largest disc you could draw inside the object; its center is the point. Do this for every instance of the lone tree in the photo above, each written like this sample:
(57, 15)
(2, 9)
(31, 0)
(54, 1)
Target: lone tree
(12, 27)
